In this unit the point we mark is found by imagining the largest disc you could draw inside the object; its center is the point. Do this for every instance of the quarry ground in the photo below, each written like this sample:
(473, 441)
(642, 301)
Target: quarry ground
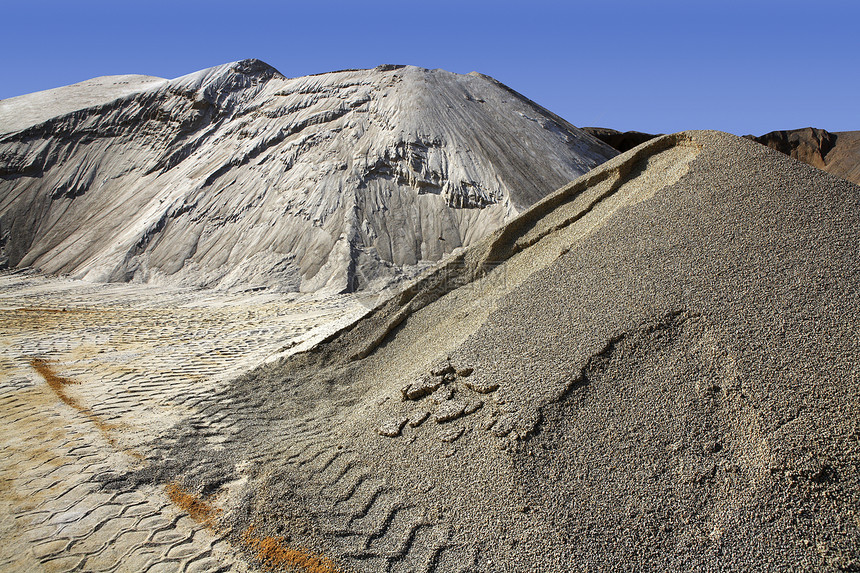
(652, 369)
(89, 374)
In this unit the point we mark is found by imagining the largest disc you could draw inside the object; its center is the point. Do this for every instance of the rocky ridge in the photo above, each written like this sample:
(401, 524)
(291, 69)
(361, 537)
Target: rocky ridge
(620, 140)
(837, 153)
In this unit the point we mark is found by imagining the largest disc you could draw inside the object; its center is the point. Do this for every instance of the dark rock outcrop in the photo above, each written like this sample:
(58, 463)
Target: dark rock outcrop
(620, 140)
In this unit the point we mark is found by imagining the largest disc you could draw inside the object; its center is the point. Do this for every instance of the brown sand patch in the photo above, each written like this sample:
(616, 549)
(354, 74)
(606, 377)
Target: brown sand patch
(275, 556)
(54, 380)
(198, 509)
(58, 385)
(271, 552)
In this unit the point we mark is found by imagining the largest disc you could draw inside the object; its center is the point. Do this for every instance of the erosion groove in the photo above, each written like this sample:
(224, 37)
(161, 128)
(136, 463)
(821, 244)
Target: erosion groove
(578, 384)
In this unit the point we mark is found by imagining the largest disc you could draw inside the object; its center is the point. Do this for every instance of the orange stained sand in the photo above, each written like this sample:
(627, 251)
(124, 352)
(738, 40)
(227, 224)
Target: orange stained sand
(198, 509)
(270, 551)
(58, 385)
(275, 556)
(54, 380)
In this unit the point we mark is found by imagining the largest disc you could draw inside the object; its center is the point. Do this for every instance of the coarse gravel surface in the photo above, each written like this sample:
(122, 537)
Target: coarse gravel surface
(655, 368)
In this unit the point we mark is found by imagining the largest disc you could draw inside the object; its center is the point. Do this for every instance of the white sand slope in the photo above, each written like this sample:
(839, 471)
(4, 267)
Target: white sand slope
(28, 110)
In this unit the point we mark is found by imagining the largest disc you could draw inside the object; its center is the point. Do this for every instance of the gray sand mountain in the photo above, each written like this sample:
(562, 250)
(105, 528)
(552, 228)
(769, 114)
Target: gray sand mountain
(25, 111)
(236, 176)
(654, 368)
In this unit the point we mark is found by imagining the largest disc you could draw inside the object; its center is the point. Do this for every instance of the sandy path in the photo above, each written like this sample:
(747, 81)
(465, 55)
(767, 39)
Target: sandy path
(90, 374)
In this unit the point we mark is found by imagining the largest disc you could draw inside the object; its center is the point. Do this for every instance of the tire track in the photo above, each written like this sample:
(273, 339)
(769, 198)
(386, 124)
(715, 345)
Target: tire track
(88, 376)
(355, 519)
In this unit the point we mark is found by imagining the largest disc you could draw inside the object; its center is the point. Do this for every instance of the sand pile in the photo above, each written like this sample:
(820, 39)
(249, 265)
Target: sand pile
(655, 368)
(837, 153)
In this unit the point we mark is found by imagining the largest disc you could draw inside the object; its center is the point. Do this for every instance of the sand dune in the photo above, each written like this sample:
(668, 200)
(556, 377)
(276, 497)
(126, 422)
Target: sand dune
(654, 368)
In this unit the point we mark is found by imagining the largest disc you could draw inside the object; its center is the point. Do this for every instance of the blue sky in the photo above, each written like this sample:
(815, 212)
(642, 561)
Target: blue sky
(656, 66)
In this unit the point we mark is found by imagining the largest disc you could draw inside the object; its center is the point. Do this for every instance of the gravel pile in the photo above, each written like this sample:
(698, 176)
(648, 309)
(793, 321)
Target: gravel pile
(656, 368)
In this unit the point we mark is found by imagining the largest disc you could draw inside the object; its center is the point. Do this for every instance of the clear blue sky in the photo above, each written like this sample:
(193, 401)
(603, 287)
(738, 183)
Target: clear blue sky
(649, 65)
